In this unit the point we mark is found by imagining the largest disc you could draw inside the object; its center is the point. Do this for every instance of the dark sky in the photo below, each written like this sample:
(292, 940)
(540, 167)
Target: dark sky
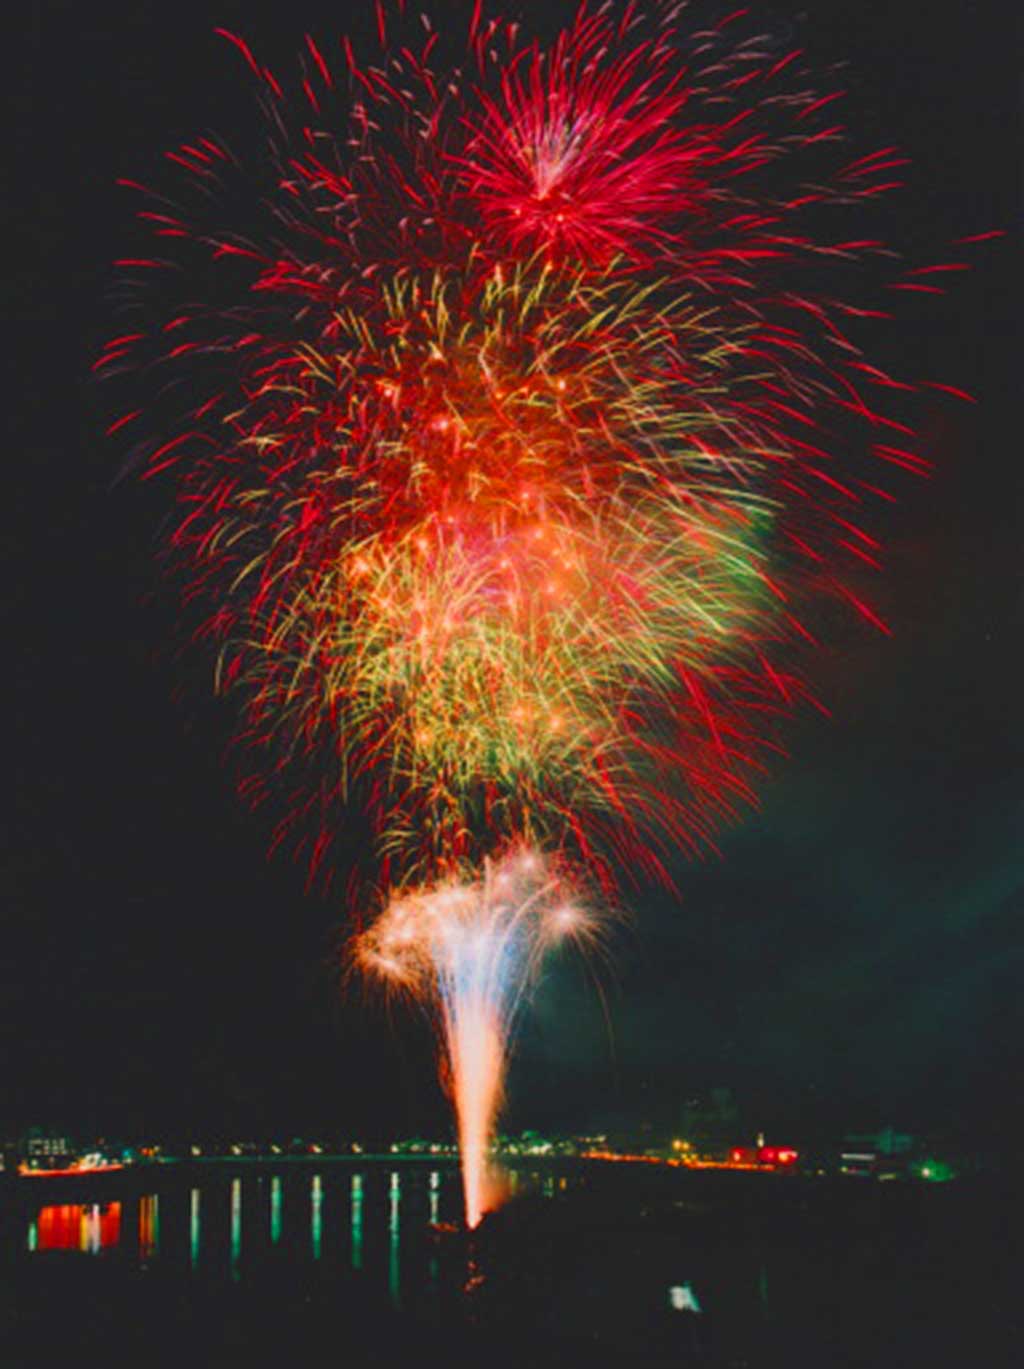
(854, 956)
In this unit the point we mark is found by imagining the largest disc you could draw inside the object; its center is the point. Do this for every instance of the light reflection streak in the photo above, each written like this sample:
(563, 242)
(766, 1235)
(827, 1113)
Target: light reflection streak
(275, 1209)
(394, 1236)
(433, 1265)
(90, 1229)
(316, 1199)
(236, 1227)
(357, 1221)
(435, 1197)
(149, 1225)
(193, 1227)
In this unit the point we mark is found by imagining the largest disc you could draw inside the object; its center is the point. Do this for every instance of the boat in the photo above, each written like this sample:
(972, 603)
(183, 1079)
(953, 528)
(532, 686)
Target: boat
(64, 1166)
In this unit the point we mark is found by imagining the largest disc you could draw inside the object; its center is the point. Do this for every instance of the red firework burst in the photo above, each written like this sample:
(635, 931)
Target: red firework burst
(516, 412)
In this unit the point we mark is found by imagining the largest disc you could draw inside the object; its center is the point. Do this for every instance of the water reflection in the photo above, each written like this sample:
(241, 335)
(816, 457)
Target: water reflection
(394, 1233)
(236, 1227)
(149, 1226)
(193, 1227)
(275, 1209)
(316, 1220)
(433, 1267)
(222, 1221)
(86, 1227)
(678, 1278)
(435, 1197)
(220, 1224)
(357, 1221)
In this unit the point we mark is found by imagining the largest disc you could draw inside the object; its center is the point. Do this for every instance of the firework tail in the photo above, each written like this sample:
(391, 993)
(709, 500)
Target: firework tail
(468, 951)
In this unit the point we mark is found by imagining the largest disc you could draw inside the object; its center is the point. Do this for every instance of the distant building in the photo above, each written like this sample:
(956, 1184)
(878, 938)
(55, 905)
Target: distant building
(41, 1144)
(876, 1155)
(709, 1122)
(858, 1164)
(888, 1141)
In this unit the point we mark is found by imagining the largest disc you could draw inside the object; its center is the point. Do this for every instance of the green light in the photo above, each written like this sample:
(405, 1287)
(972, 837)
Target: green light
(193, 1228)
(236, 1227)
(935, 1171)
(357, 1221)
(275, 1209)
(316, 1215)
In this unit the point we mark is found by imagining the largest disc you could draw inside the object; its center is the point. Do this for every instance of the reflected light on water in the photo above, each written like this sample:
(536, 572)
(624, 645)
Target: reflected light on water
(149, 1226)
(316, 1219)
(199, 1224)
(193, 1227)
(87, 1227)
(394, 1235)
(357, 1221)
(236, 1226)
(275, 1209)
(92, 1233)
(383, 1235)
(435, 1197)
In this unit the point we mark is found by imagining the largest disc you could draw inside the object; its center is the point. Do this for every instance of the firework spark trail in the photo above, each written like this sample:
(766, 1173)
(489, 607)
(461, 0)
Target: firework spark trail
(517, 417)
(472, 949)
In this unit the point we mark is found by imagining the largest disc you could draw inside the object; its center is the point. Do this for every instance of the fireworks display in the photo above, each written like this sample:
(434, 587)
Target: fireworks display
(516, 415)
(473, 949)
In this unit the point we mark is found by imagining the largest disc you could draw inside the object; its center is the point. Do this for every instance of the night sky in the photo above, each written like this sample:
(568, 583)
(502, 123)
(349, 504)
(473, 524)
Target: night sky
(853, 958)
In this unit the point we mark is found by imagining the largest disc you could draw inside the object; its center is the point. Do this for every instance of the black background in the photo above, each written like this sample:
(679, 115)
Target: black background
(854, 957)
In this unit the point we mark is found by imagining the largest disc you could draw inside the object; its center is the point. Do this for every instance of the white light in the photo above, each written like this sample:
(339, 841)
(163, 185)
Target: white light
(682, 1298)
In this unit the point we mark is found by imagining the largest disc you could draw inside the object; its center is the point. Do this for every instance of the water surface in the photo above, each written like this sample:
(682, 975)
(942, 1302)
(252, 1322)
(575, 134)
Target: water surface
(258, 1263)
